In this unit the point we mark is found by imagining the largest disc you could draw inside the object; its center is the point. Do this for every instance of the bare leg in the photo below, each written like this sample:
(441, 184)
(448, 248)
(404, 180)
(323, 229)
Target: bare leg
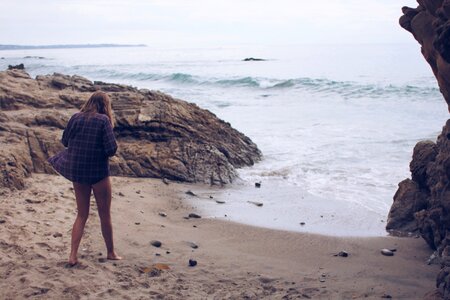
(82, 195)
(102, 193)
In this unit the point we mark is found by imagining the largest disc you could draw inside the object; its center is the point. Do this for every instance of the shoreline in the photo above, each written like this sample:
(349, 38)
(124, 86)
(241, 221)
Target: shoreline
(234, 260)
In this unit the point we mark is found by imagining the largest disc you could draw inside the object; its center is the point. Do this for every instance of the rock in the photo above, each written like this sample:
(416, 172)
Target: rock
(138, 192)
(121, 194)
(57, 234)
(408, 200)
(387, 252)
(259, 204)
(2, 221)
(102, 260)
(220, 202)
(31, 201)
(192, 262)
(190, 193)
(16, 67)
(253, 59)
(165, 181)
(429, 24)
(137, 223)
(342, 254)
(194, 216)
(302, 223)
(155, 243)
(162, 214)
(193, 245)
(257, 184)
(158, 136)
(386, 296)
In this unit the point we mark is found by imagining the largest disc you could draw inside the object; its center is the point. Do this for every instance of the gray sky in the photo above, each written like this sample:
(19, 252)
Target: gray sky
(202, 22)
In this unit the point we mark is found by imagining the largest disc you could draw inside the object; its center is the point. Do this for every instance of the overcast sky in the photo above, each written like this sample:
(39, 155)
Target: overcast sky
(202, 22)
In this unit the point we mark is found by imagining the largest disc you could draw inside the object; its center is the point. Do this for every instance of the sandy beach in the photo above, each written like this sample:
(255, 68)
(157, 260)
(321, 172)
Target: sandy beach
(234, 261)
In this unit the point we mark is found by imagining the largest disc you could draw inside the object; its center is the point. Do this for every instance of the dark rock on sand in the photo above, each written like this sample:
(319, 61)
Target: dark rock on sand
(194, 216)
(158, 136)
(426, 196)
(193, 245)
(259, 204)
(191, 193)
(257, 184)
(342, 254)
(156, 244)
(192, 262)
(387, 252)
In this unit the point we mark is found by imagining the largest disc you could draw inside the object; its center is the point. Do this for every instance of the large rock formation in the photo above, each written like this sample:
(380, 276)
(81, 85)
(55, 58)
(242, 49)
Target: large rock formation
(158, 136)
(423, 202)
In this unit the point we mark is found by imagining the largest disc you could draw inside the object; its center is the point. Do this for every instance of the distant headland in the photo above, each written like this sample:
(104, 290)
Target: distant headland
(26, 47)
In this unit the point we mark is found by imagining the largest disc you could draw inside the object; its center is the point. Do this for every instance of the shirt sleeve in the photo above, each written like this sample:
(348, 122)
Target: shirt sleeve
(66, 133)
(109, 141)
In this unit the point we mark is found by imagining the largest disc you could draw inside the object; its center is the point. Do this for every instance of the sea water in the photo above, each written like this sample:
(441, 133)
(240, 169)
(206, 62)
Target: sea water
(336, 123)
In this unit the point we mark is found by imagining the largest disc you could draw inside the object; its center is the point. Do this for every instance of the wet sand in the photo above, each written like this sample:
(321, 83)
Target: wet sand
(234, 261)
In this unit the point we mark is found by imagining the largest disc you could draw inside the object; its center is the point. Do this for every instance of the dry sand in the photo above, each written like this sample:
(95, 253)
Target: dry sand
(234, 261)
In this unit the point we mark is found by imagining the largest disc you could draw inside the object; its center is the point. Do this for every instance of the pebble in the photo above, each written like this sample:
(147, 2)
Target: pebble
(190, 193)
(156, 243)
(195, 226)
(102, 260)
(162, 214)
(343, 254)
(137, 223)
(302, 223)
(193, 245)
(257, 184)
(33, 201)
(211, 197)
(121, 194)
(387, 252)
(138, 191)
(57, 234)
(259, 204)
(194, 215)
(386, 296)
(165, 181)
(220, 201)
(192, 263)
(167, 252)
(157, 254)
(2, 221)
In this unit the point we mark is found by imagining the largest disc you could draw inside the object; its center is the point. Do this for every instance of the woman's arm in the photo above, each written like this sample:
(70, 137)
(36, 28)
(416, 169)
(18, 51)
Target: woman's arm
(66, 133)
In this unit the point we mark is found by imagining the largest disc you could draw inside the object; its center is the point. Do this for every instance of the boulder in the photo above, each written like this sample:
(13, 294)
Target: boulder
(158, 136)
(429, 23)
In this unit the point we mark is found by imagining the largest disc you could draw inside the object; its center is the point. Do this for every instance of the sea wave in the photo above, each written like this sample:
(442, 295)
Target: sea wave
(347, 89)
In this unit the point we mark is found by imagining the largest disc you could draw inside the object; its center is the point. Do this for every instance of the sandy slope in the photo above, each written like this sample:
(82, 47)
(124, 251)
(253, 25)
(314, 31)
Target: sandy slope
(234, 261)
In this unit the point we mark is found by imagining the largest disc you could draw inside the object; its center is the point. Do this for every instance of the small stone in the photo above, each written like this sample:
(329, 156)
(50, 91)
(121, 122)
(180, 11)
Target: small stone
(166, 182)
(99, 254)
(138, 191)
(102, 260)
(2, 221)
(190, 193)
(386, 296)
(33, 201)
(167, 252)
(157, 254)
(194, 216)
(211, 197)
(57, 234)
(343, 254)
(192, 263)
(162, 214)
(156, 244)
(259, 204)
(121, 194)
(193, 245)
(387, 252)
(393, 249)
(220, 201)
(302, 223)
(137, 223)
(257, 184)
(195, 226)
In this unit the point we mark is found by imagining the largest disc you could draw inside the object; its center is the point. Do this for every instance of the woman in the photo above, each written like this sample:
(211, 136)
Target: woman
(90, 142)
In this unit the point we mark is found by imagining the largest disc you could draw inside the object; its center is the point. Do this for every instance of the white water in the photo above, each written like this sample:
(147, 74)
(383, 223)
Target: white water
(335, 123)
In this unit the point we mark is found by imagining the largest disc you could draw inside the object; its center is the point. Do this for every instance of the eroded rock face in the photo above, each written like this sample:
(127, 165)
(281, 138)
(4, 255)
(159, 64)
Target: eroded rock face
(430, 168)
(158, 136)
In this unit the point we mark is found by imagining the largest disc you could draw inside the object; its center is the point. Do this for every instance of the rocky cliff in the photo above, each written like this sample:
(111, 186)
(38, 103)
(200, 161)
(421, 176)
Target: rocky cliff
(158, 136)
(422, 203)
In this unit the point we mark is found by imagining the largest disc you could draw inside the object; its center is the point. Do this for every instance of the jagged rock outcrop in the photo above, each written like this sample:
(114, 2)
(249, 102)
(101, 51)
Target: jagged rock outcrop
(158, 136)
(423, 203)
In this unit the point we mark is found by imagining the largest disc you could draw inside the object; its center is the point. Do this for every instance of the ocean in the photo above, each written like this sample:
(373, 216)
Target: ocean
(336, 123)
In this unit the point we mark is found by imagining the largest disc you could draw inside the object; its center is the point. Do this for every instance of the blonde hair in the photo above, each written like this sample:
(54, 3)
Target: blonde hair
(100, 103)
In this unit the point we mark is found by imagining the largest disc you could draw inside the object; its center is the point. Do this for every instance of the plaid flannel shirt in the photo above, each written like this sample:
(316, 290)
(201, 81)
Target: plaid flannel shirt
(90, 142)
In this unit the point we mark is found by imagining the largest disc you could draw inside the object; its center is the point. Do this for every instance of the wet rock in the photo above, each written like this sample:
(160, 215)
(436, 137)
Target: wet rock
(194, 216)
(156, 243)
(387, 252)
(16, 67)
(192, 262)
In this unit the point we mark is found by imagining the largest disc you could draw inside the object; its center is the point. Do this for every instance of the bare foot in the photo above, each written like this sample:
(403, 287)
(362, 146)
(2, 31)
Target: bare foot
(113, 256)
(71, 264)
